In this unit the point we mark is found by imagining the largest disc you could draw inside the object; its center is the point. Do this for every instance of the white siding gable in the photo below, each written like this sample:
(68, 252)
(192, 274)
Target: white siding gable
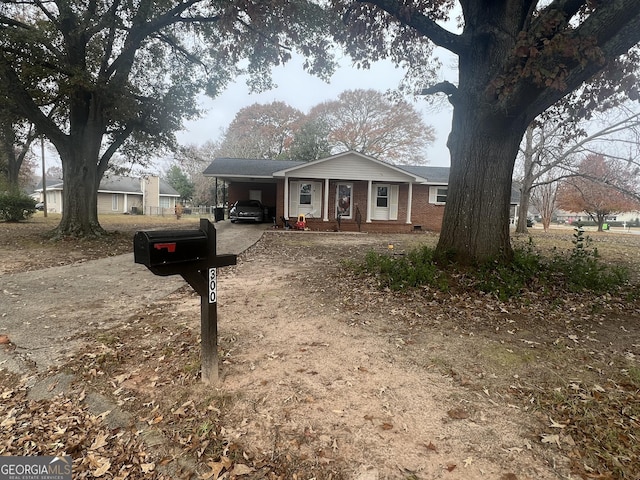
(350, 166)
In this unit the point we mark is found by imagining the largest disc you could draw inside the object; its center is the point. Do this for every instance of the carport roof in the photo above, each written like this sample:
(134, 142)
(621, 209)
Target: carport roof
(247, 167)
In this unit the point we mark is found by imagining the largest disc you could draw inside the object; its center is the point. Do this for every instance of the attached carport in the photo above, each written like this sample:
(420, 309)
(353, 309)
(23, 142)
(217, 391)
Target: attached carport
(250, 179)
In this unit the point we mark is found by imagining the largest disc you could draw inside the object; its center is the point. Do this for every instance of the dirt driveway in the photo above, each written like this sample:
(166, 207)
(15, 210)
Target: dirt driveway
(48, 311)
(322, 376)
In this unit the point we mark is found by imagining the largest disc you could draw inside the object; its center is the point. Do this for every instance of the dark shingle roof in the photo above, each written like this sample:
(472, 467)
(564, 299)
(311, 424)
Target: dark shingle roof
(117, 183)
(114, 183)
(433, 174)
(255, 167)
(52, 182)
(248, 167)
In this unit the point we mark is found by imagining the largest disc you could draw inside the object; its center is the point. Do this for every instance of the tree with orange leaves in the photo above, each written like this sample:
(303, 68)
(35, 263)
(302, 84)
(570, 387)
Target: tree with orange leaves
(599, 189)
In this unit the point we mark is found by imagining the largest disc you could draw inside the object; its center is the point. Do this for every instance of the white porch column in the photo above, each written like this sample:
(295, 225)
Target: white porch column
(325, 215)
(126, 203)
(286, 197)
(409, 202)
(369, 195)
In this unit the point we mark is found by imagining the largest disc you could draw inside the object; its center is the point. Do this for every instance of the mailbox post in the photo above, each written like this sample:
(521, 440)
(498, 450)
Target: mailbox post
(191, 254)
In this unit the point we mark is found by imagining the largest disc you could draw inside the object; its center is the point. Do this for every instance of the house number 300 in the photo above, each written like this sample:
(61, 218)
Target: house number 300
(213, 285)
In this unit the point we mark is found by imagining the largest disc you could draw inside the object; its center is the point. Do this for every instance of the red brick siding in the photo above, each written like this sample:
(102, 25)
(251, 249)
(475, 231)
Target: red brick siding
(423, 214)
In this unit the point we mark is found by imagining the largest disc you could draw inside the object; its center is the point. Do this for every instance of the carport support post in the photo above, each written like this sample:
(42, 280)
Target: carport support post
(209, 313)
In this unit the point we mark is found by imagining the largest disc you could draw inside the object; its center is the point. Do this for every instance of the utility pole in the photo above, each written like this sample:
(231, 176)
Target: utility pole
(44, 177)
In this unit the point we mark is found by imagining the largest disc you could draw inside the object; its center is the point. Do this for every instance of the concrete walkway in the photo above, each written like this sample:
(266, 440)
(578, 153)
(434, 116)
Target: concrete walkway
(45, 311)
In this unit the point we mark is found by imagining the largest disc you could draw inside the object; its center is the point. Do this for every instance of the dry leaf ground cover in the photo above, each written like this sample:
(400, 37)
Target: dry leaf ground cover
(324, 375)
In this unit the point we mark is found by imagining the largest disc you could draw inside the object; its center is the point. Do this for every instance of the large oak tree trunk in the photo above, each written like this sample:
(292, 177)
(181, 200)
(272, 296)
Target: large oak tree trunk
(80, 196)
(483, 149)
(81, 167)
(484, 141)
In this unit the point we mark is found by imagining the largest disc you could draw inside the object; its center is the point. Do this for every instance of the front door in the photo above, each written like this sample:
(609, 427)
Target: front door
(384, 202)
(305, 198)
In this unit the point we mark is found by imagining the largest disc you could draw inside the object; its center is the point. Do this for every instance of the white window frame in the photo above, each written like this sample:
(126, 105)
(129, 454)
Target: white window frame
(386, 197)
(436, 195)
(114, 202)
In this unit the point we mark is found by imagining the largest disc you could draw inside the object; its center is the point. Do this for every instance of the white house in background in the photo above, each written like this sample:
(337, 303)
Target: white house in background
(149, 195)
(627, 218)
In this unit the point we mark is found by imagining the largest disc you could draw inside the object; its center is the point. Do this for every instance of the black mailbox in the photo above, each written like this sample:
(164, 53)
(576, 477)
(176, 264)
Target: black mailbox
(168, 247)
(192, 254)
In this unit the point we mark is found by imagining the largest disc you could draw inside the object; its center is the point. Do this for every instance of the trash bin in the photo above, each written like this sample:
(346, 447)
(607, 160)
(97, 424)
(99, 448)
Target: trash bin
(134, 210)
(218, 214)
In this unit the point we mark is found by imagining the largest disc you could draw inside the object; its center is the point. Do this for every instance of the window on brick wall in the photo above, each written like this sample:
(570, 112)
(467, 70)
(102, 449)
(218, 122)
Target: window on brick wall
(438, 195)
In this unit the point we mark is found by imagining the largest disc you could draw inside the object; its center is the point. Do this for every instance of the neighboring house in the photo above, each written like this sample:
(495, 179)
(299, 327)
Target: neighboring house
(563, 216)
(54, 194)
(149, 195)
(359, 191)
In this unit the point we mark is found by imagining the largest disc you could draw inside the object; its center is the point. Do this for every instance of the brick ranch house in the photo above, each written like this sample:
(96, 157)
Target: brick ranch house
(362, 192)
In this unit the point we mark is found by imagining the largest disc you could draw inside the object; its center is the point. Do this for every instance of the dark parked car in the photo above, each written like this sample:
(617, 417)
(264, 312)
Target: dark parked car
(247, 210)
(40, 206)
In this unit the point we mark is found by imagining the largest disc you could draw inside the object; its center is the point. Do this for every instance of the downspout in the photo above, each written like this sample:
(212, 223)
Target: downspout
(286, 197)
(409, 202)
(369, 206)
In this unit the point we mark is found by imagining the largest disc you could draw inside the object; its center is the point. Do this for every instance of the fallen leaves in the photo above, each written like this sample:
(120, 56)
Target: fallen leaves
(550, 438)
(63, 424)
(458, 413)
(170, 357)
(103, 466)
(99, 442)
(596, 426)
(225, 464)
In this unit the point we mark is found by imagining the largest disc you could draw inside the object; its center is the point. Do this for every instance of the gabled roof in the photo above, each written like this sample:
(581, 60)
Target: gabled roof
(52, 184)
(256, 168)
(358, 167)
(116, 184)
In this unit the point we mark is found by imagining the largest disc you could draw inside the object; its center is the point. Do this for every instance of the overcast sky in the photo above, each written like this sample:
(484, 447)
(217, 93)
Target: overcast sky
(303, 91)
